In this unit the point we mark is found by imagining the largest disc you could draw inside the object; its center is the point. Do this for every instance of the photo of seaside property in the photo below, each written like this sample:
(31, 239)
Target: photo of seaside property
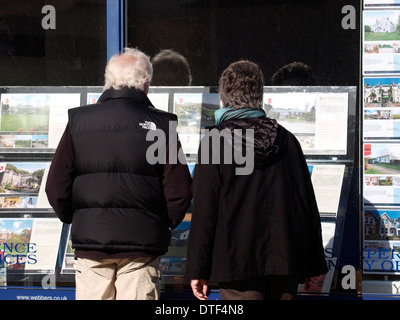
(195, 111)
(12, 232)
(173, 262)
(381, 4)
(21, 177)
(382, 159)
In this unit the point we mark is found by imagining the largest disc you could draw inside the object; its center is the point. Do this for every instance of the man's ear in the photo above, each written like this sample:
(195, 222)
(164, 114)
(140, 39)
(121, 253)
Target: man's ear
(146, 86)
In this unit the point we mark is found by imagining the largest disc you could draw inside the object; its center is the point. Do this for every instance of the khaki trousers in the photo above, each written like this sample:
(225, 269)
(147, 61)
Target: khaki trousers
(118, 279)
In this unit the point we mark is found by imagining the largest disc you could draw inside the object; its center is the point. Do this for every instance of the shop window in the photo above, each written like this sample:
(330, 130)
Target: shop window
(68, 49)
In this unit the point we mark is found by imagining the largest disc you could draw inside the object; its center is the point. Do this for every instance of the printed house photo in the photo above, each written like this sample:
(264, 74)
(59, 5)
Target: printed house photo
(25, 113)
(21, 177)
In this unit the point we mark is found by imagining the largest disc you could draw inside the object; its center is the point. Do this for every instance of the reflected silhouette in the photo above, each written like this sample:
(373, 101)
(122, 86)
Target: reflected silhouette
(170, 68)
(294, 74)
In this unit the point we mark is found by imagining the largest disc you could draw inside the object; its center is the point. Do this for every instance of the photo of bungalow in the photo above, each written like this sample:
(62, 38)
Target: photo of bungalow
(383, 25)
(382, 159)
(381, 225)
(21, 177)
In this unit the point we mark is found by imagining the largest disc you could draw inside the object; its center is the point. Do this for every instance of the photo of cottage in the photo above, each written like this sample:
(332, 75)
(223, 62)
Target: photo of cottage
(381, 225)
(383, 159)
(24, 178)
(173, 262)
(195, 111)
(25, 113)
(381, 26)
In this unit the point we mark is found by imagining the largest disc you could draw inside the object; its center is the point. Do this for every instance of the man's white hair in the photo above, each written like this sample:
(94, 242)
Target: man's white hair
(130, 69)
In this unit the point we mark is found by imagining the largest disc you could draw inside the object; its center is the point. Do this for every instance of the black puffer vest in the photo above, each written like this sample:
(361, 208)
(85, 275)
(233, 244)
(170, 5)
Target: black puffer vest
(118, 197)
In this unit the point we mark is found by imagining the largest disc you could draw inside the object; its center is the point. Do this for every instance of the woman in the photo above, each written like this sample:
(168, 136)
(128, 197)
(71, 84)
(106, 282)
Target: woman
(257, 235)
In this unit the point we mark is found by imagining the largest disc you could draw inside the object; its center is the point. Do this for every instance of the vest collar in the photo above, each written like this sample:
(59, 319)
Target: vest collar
(125, 93)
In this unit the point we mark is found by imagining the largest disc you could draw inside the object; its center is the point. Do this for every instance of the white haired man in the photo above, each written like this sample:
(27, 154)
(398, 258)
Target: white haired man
(120, 207)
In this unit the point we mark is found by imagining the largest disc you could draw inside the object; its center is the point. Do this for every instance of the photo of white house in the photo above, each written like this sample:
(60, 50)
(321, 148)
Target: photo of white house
(381, 92)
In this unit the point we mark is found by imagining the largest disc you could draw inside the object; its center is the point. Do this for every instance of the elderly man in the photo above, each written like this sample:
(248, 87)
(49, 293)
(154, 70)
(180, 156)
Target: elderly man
(121, 206)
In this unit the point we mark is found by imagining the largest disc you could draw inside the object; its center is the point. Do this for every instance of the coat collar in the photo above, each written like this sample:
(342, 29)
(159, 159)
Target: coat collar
(125, 93)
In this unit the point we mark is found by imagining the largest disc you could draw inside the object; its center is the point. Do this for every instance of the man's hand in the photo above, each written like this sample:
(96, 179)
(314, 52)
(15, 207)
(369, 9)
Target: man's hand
(199, 288)
(309, 281)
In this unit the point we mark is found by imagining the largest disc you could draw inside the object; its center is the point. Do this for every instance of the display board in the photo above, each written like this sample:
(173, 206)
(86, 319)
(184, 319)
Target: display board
(323, 119)
(35, 244)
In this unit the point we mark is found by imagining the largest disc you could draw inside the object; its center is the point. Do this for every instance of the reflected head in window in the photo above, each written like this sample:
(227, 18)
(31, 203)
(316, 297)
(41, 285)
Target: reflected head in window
(294, 74)
(171, 69)
(241, 85)
(131, 69)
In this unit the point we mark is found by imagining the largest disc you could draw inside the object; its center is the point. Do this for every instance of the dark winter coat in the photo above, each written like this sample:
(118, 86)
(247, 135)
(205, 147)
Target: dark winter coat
(264, 223)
